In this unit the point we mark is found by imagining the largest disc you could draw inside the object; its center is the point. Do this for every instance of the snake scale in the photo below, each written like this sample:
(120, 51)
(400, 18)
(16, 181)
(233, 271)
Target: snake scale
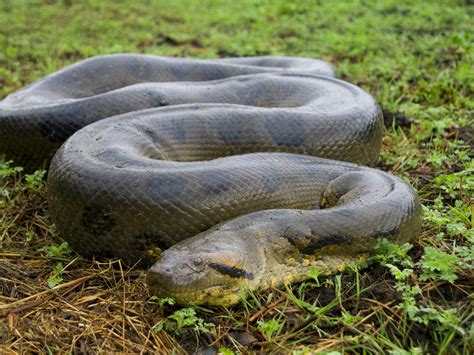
(249, 171)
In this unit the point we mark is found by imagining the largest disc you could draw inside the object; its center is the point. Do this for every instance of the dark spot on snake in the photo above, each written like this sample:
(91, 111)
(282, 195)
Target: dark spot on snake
(139, 70)
(385, 232)
(295, 231)
(231, 271)
(181, 73)
(155, 99)
(344, 212)
(368, 135)
(393, 204)
(333, 239)
(114, 157)
(286, 133)
(53, 126)
(229, 131)
(165, 188)
(97, 221)
(251, 98)
(178, 133)
(272, 181)
(214, 186)
(145, 241)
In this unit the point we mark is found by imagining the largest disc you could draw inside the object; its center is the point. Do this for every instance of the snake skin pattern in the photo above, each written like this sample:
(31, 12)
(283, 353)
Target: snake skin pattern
(250, 170)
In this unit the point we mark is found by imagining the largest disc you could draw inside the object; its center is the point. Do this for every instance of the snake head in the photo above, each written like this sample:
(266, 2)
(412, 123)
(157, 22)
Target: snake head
(206, 269)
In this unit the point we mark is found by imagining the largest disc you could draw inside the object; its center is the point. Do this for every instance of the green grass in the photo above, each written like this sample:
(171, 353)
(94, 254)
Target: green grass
(415, 58)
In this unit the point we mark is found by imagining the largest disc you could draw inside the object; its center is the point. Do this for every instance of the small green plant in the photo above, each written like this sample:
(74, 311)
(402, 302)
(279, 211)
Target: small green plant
(225, 351)
(390, 256)
(449, 221)
(57, 251)
(252, 300)
(308, 351)
(182, 320)
(8, 190)
(407, 291)
(434, 264)
(348, 319)
(271, 329)
(452, 184)
(314, 275)
(163, 301)
(29, 235)
(55, 277)
(35, 181)
(6, 170)
(437, 265)
(412, 351)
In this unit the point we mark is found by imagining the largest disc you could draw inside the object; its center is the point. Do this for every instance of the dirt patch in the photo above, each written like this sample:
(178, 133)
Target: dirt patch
(396, 119)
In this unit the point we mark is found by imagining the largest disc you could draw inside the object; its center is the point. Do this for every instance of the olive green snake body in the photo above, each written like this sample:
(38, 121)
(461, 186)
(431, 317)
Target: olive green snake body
(250, 170)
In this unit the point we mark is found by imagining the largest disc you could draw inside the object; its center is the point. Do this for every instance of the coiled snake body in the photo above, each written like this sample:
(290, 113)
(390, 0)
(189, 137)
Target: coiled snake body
(225, 162)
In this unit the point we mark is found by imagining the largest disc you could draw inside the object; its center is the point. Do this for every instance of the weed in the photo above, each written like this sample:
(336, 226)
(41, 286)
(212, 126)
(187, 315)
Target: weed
(225, 351)
(163, 301)
(35, 181)
(55, 278)
(57, 251)
(182, 320)
(436, 264)
(270, 329)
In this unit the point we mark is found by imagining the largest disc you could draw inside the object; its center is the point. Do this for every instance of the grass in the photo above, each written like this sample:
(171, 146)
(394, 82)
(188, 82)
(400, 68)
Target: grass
(415, 58)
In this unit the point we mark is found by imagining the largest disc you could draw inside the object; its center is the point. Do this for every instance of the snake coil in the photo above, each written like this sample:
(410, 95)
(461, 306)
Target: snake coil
(250, 170)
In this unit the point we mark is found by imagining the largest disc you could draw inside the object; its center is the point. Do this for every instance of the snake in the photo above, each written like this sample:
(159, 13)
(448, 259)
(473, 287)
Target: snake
(225, 175)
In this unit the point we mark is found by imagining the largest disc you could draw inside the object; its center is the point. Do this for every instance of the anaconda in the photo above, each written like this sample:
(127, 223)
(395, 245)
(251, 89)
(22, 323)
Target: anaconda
(228, 164)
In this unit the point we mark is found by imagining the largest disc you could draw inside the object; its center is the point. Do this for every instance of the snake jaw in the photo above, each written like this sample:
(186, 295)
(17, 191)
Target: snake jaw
(187, 285)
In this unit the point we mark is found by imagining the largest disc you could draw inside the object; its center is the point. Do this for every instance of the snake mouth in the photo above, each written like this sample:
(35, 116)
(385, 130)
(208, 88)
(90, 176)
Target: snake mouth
(218, 295)
(214, 296)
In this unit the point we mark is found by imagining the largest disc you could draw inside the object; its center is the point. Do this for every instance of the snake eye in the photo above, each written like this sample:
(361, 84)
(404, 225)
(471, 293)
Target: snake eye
(197, 261)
